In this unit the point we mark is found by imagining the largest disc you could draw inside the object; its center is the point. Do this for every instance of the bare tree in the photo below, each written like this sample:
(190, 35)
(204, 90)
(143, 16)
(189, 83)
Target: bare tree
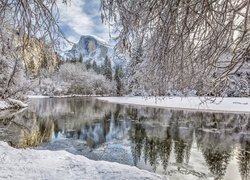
(29, 19)
(26, 25)
(183, 40)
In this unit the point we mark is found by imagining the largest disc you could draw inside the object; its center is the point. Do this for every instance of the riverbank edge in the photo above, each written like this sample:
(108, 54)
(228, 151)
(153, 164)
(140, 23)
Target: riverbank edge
(42, 164)
(9, 103)
(204, 104)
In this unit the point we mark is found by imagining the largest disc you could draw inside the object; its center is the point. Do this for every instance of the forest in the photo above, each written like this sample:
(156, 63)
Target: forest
(171, 47)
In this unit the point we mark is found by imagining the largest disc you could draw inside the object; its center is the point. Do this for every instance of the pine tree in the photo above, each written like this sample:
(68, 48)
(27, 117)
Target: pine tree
(88, 64)
(118, 80)
(95, 67)
(107, 68)
(80, 58)
(134, 72)
(244, 89)
(74, 60)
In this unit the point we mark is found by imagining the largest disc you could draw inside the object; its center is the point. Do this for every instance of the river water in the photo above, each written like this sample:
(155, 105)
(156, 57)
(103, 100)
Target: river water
(181, 144)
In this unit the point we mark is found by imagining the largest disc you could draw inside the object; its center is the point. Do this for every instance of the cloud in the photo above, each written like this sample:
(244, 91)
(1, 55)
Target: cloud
(82, 17)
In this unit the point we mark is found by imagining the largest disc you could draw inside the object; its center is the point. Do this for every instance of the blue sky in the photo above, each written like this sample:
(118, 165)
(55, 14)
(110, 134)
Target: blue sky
(82, 17)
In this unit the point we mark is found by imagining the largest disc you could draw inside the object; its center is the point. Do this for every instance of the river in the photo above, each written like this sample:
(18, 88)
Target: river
(181, 144)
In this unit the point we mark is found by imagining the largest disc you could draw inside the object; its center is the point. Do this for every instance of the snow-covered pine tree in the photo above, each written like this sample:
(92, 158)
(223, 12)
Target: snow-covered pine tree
(80, 59)
(182, 46)
(134, 72)
(95, 67)
(88, 64)
(244, 89)
(107, 68)
(118, 79)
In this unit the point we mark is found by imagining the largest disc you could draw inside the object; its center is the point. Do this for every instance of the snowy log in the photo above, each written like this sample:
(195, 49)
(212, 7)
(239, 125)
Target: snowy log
(16, 103)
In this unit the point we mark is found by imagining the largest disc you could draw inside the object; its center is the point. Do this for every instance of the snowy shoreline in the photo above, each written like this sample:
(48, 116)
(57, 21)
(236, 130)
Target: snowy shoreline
(63, 96)
(210, 104)
(45, 164)
(11, 104)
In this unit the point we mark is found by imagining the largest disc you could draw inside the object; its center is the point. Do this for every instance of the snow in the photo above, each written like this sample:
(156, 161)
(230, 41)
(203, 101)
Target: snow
(62, 96)
(16, 103)
(37, 96)
(44, 164)
(3, 105)
(225, 104)
(11, 103)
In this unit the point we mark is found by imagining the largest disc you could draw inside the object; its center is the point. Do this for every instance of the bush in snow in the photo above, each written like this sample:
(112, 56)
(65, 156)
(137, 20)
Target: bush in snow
(72, 78)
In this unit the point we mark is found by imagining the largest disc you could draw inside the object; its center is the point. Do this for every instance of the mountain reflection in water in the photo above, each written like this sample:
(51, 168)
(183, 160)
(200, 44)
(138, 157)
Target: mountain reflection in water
(182, 144)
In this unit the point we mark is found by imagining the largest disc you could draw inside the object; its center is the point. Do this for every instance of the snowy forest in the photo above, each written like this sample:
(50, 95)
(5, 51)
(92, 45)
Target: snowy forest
(169, 48)
(125, 89)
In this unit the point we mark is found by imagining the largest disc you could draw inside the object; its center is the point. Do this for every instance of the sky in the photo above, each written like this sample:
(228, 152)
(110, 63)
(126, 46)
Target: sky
(82, 17)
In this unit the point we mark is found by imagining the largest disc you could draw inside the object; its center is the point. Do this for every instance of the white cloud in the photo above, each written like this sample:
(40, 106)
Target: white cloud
(79, 22)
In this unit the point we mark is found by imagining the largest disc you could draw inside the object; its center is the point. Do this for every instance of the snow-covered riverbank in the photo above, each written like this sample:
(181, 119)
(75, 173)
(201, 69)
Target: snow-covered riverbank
(192, 103)
(11, 103)
(44, 164)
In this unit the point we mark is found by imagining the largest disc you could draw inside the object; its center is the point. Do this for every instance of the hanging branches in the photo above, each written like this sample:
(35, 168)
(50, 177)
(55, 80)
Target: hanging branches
(27, 27)
(184, 40)
(28, 19)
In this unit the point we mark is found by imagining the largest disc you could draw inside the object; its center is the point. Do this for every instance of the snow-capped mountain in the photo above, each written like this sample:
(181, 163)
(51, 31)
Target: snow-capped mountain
(93, 49)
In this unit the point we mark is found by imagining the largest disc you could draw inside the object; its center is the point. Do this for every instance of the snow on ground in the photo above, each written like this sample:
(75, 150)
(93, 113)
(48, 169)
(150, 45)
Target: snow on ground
(62, 96)
(37, 96)
(16, 103)
(3, 105)
(44, 164)
(11, 103)
(192, 103)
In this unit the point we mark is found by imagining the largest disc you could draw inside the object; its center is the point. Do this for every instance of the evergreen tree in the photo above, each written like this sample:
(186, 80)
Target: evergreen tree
(74, 60)
(118, 80)
(107, 68)
(244, 89)
(244, 160)
(80, 58)
(88, 64)
(95, 67)
(134, 71)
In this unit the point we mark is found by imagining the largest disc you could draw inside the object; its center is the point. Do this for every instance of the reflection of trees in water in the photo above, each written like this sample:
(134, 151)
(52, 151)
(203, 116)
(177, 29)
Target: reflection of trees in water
(138, 139)
(25, 129)
(165, 150)
(215, 147)
(99, 130)
(46, 129)
(179, 145)
(159, 148)
(97, 122)
(217, 161)
(244, 160)
(215, 152)
(106, 125)
(183, 139)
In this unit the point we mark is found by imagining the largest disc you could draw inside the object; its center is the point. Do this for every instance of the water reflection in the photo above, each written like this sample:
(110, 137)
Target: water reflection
(24, 128)
(181, 144)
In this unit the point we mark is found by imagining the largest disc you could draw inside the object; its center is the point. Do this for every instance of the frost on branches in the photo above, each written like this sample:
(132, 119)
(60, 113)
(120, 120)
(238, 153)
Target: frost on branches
(12, 78)
(182, 41)
(72, 78)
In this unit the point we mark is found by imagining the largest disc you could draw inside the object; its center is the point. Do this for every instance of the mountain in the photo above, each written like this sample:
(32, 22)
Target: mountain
(93, 49)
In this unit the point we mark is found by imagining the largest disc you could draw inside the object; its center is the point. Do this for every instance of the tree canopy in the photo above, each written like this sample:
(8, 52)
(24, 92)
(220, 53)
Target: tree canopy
(184, 41)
